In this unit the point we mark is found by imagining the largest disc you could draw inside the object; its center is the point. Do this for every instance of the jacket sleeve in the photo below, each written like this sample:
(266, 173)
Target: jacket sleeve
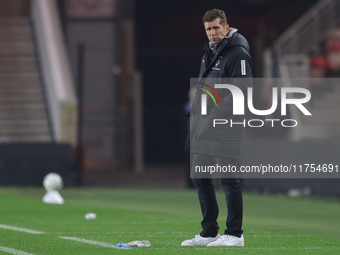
(241, 67)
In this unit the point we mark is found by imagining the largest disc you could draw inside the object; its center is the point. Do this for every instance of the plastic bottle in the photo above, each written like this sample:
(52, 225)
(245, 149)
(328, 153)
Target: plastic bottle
(143, 243)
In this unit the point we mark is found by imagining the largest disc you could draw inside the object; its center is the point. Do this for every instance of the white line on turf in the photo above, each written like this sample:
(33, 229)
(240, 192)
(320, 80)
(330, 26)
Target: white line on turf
(14, 251)
(291, 248)
(82, 240)
(25, 230)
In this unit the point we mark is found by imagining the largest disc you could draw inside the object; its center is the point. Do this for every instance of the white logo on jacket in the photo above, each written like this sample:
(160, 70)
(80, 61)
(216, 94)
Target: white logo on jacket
(243, 67)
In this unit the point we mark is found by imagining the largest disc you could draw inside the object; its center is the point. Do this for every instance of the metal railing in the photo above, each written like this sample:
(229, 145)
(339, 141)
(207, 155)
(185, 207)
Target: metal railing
(303, 37)
(310, 29)
(288, 57)
(56, 71)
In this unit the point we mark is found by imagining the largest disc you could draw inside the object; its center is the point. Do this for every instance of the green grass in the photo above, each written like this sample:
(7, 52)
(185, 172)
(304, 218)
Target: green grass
(272, 224)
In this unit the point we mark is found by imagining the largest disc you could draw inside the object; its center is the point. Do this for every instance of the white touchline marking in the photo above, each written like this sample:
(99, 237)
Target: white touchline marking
(14, 251)
(25, 230)
(82, 240)
(291, 248)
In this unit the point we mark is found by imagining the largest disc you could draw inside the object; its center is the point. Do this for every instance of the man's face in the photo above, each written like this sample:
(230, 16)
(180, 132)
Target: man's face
(215, 31)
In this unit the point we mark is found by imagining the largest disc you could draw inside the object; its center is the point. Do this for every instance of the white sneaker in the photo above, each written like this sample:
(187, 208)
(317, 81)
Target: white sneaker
(228, 240)
(200, 241)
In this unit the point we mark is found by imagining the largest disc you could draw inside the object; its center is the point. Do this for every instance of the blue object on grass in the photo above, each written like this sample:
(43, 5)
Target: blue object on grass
(125, 245)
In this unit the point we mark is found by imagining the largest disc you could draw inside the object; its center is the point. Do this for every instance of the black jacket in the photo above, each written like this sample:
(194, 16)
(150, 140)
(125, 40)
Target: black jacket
(230, 64)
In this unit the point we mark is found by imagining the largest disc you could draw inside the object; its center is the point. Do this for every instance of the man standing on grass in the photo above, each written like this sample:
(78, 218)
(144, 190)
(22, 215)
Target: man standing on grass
(226, 56)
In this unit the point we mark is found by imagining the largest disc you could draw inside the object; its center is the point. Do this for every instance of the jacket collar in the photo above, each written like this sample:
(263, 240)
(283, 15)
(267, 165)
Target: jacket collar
(221, 46)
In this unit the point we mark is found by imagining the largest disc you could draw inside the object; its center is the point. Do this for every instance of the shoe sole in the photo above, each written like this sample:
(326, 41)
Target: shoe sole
(193, 245)
(240, 244)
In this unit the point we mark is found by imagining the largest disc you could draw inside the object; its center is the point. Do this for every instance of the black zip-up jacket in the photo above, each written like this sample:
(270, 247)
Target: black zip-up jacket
(230, 64)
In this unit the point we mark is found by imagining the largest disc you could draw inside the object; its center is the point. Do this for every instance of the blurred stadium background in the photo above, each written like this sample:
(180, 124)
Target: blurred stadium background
(95, 89)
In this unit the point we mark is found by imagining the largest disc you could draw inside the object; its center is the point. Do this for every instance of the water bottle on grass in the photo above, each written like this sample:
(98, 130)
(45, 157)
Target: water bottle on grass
(143, 243)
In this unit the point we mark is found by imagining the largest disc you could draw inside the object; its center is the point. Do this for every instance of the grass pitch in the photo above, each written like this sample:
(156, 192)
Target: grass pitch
(272, 224)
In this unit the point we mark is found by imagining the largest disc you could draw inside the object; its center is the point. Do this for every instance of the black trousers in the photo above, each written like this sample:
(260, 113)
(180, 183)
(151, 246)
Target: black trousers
(207, 198)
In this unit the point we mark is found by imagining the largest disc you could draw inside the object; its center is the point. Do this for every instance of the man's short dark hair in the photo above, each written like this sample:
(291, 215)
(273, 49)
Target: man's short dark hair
(213, 14)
